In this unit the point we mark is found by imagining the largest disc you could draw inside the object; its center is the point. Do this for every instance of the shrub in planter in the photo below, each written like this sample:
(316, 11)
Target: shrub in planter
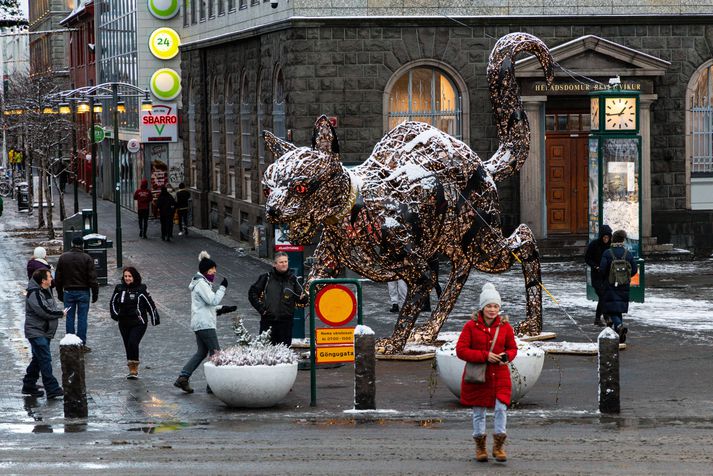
(253, 373)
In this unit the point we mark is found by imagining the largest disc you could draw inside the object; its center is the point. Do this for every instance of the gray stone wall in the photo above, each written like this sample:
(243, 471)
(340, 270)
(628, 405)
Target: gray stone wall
(341, 69)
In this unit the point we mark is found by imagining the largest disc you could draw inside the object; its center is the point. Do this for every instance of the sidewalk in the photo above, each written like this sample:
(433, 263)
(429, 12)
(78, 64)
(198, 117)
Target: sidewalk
(566, 388)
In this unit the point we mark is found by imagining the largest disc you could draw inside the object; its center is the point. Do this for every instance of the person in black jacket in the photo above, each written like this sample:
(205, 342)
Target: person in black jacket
(593, 257)
(75, 277)
(616, 297)
(183, 197)
(275, 295)
(41, 315)
(132, 306)
(166, 204)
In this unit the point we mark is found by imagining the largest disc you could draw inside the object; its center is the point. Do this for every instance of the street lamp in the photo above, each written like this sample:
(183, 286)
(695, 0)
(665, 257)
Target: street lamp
(75, 184)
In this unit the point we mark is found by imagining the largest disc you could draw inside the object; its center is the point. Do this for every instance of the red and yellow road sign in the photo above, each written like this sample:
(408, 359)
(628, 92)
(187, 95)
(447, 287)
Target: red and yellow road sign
(335, 354)
(335, 305)
(331, 336)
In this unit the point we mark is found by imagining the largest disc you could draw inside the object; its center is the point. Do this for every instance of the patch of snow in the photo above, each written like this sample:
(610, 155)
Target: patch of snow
(355, 411)
(390, 223)
(362, 330)
(608, 333)
(71, 339)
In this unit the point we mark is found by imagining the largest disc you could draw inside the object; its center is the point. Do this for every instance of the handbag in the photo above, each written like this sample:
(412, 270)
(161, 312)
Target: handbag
(475, 372)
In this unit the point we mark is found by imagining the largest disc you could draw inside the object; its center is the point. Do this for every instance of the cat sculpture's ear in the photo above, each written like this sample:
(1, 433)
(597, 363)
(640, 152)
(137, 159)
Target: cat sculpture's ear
(324, 136)
(277, 146)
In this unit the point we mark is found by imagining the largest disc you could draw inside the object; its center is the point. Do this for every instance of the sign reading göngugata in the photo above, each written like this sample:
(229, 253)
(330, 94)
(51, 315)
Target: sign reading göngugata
(160, 124)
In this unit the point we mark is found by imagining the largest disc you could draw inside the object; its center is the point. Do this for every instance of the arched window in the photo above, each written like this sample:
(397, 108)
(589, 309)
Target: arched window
(260, 126)
(425, 92)
(699, 143)
(215, 137)
(246, 150)
(229, 117)
(278, 105)
(192, 152)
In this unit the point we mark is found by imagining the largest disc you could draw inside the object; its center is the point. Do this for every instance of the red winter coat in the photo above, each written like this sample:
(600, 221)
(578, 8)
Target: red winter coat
(473, 346)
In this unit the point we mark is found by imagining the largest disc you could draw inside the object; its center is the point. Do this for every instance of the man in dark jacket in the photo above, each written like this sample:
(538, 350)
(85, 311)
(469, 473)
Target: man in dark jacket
(183, 197)
(166, 205)
(143, 199)
(41, 314)
(74, 279)
(593, 257)
(616, 297)
(274, 295)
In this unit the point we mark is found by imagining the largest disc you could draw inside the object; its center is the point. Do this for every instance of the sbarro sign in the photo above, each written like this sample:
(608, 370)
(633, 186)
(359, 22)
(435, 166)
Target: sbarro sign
(160, 124)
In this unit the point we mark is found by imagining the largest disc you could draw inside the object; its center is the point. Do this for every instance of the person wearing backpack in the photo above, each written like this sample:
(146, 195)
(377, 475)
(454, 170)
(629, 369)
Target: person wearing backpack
(593, 257)
(617, 267)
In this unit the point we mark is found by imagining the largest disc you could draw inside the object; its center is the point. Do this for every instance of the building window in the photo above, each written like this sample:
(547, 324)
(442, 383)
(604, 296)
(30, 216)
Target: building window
(246, 133)
(231, 6)
(215, 138)
(229, 119)
(426, 94)
(699, 137)
(221, 7)
(192, 153)
(279, 126)
(243, 4)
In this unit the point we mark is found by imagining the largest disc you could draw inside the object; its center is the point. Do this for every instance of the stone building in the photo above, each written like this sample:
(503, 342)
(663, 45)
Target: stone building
(251, 67)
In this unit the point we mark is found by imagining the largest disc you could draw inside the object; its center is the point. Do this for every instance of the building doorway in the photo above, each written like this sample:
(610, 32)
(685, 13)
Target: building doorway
(566, 139)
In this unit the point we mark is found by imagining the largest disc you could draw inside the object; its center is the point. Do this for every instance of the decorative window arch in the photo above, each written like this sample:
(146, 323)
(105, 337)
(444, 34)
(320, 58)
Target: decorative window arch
(429, 91)
(699, 137)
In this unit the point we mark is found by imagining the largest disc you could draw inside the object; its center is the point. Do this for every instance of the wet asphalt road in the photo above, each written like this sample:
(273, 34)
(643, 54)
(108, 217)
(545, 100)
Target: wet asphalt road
(149, 427)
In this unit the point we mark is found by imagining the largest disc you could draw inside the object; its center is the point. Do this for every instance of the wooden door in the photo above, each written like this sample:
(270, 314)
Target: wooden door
(567, 183)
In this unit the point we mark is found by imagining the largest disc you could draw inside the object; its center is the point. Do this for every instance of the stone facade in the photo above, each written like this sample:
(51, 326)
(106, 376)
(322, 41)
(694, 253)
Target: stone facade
(335, 67)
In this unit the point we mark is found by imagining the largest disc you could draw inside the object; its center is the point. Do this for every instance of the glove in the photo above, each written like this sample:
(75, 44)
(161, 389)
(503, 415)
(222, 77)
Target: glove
(226, 309)
(95, 297)
(224, 283)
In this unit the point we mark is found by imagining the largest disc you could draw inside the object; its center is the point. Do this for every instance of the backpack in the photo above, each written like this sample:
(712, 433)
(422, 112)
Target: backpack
(620, 269)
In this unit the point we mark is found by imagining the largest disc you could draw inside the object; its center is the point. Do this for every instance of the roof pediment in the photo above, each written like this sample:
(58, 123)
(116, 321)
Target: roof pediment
(594, 56)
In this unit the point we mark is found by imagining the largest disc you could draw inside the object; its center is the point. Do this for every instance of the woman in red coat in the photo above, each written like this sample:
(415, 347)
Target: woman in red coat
(474, 346)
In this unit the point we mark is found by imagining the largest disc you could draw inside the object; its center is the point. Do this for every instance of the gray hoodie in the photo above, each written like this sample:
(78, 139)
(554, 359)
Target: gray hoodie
(204, 303)
(41, 312)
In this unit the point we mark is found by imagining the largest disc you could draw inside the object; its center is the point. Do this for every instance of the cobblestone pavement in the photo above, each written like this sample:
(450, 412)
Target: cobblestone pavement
(140, 426)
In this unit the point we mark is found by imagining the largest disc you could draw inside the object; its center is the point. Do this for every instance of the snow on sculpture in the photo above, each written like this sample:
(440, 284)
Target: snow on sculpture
(420, 193)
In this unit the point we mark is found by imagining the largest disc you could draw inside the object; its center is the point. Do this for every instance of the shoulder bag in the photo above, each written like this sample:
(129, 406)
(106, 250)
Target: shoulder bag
(475, 372)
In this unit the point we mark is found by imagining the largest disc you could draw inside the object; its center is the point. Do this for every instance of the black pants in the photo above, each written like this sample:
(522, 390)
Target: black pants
(207, 342)
(143, 222)
(167, 226)
(132, 335)
(281, 331)
(183, 219)
(600, 288)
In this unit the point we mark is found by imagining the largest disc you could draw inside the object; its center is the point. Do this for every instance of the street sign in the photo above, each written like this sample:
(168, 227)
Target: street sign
(99, 134)
(331, 336)
(163, 9)
(335, 354)
(164, 43)
(335, 305)
(133, 146)
(165, 84)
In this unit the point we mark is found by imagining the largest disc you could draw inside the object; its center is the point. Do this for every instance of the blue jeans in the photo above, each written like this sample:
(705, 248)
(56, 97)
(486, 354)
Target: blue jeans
(616, 320)
(78, 304)
(41, 363)
(207, 340)
(499, 422)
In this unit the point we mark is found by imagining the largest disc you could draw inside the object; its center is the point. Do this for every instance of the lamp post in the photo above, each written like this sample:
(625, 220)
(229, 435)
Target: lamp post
(95, 219)
(74, 161)
(117, 177)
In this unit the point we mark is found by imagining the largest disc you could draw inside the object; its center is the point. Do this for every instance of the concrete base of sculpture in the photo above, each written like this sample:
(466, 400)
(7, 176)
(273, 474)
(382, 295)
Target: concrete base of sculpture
(524, 370)
(256, 386)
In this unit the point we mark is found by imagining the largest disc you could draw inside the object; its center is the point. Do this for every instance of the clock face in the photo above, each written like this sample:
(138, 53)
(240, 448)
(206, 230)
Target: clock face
(620, 114)
(594, 113)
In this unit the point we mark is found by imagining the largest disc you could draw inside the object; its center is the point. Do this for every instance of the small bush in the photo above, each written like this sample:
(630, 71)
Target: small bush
(251, 350)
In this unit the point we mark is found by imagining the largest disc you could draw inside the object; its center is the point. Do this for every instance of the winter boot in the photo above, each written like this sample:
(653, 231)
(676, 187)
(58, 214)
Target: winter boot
(394, 308)
(133, 369)
(481, 452)
(622, 330)
(182, 383)
(32, 391)
(499, 447)
(598, 321)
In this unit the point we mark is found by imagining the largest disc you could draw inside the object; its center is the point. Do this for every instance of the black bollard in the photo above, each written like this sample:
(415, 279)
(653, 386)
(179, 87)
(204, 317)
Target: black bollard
(608, 360)
(364, 369)
(71, 355)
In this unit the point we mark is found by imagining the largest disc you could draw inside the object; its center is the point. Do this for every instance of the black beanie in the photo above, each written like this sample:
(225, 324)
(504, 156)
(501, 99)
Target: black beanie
(204, 262)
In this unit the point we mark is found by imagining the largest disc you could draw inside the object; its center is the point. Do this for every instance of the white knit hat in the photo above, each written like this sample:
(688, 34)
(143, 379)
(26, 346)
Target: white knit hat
(489, 296)
(40, 253)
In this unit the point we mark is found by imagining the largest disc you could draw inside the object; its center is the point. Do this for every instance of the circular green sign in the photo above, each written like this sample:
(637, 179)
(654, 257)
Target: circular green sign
(164, 43)
(165, 84)
(163, 9)
(98, 134)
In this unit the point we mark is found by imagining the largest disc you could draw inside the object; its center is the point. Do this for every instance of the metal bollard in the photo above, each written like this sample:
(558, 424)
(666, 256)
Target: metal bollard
(608, 364)
(364, 369)
(71, 355)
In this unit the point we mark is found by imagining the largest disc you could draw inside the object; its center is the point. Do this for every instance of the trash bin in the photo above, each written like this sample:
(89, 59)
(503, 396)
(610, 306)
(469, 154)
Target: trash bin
(22, 192)
(95, 245)
(72, 227)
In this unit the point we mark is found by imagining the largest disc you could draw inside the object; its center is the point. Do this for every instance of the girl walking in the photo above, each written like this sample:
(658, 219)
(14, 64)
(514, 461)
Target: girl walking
(488, 338)
(132, 306)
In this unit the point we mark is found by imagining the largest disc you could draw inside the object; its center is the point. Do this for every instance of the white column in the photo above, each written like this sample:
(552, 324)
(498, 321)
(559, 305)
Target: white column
(532, 179)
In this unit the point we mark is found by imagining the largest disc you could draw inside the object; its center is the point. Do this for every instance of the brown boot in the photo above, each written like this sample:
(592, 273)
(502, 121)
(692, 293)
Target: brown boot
(499, 447)
(133, 369)
(481, 452)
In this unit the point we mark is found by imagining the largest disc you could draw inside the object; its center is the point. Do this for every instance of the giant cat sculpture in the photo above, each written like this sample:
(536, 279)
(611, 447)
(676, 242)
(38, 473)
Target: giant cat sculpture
(421, 193)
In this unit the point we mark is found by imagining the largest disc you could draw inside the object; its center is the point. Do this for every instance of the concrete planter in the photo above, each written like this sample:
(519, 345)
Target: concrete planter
(524, 370)
(256, 386)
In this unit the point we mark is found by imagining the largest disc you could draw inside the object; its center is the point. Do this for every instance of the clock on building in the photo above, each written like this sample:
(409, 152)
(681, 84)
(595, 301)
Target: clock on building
(594, 113)
(620, 113)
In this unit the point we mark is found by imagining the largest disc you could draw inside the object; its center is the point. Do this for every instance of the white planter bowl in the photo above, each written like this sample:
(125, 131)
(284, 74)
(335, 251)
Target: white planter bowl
(524, 370)
(256, 386)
